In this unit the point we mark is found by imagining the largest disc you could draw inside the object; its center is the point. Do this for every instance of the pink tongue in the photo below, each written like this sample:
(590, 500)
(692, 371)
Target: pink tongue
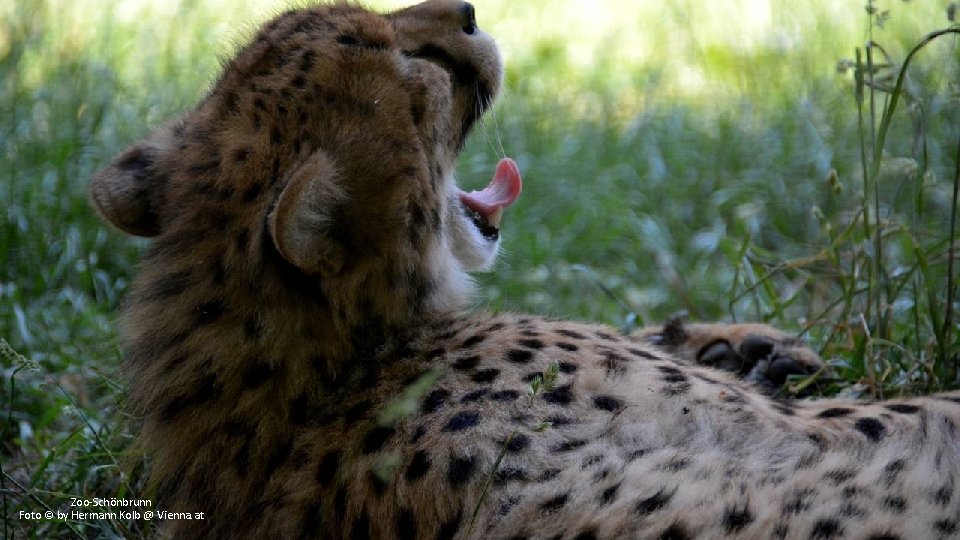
(502, 191)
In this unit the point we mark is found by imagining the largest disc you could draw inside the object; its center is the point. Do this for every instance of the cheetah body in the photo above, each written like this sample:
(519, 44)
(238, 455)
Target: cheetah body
(303, 366)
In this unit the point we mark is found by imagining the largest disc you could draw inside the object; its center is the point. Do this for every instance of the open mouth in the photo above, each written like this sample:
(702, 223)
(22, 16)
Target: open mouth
(489, 231)
(485, 208)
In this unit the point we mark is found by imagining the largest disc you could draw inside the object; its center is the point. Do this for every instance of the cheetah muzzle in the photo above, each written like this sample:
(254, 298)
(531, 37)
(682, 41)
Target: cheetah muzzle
(303, 363)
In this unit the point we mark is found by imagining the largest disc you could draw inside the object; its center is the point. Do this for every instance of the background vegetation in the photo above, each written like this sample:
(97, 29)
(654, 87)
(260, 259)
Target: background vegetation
(705, 157)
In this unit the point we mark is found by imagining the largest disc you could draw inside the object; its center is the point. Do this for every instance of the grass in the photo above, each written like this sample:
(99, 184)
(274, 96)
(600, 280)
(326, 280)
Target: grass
(705, 157)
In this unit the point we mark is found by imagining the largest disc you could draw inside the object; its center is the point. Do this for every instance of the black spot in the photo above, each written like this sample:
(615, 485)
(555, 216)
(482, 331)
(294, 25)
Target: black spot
(946, 526)
(561, 395)
(376, 438)
(256, 374)
(507, 474)
(167, 286)
(903, 408)
(826, 528)
(340, 504)
(892, 470)
(505, 395)
(606, 336)
(460, 470)
(883, 536)
(654, 502)
(419, 466)
(485, 375)
(895, 504)
(571, 334)
(519, 356)
(839, 476)
(210, 311)
(200, 169)
(435, 353)
(943, 495)
(642, 354)
(252, 328)
(310, 520)
(241, 460)
(559, 420)
(735, 519)
(607, 403)
(406, 525)
(530, 376)
(462, 420)
(327, 470)
(848, 509)
(252, 192)
(799, 501)
(473, 340)
(784, 408)
(279, 455)
(566, 446)
(567, 346)
(361, 527)
(834, 412)
(298, 409)
(677, 464)
(609, 494)
(418, 433)
(548, 475)
(586, 535)
(532, 343)
(674, 532)
(306, 61)
(590, 461)
(466, 363)
(449, 528)
(435, 400)
(517, 443)
(567, 367)
(476, 395)
(206, 390)
(675, 378)
(871, 427)
(554, 504)
(357, 411)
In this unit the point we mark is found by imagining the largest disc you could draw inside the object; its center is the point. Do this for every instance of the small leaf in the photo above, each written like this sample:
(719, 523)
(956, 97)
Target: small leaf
(542, 426)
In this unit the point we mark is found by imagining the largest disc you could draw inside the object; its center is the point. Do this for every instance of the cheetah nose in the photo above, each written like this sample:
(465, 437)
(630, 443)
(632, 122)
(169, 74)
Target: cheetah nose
(756, 347)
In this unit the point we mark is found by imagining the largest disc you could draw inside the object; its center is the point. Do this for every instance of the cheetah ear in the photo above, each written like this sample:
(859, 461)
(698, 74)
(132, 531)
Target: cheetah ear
(302, 221)
(129, 192)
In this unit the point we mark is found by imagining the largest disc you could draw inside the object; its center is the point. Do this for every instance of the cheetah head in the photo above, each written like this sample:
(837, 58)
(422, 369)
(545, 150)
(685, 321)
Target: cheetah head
(322, 160)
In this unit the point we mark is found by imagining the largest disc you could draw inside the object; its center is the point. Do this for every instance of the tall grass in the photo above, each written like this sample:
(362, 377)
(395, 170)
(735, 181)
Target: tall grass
(686, 156)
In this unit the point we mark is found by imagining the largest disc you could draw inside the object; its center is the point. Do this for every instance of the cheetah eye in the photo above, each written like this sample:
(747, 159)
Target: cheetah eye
(361, 43)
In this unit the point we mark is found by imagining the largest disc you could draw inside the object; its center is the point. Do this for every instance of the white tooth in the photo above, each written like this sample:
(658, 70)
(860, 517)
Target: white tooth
(494, 218)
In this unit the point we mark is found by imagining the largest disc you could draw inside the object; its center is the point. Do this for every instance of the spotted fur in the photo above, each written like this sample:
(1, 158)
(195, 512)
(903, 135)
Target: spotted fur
(308, 272)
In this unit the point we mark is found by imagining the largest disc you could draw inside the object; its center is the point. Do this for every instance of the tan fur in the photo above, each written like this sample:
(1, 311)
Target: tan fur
(309, 267)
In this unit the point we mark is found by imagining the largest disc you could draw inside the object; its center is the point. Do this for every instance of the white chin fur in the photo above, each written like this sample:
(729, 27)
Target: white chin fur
(472, 250)
(461, 249)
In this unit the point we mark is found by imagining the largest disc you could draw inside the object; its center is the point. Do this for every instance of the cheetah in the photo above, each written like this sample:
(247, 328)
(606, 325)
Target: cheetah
(303, 361)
